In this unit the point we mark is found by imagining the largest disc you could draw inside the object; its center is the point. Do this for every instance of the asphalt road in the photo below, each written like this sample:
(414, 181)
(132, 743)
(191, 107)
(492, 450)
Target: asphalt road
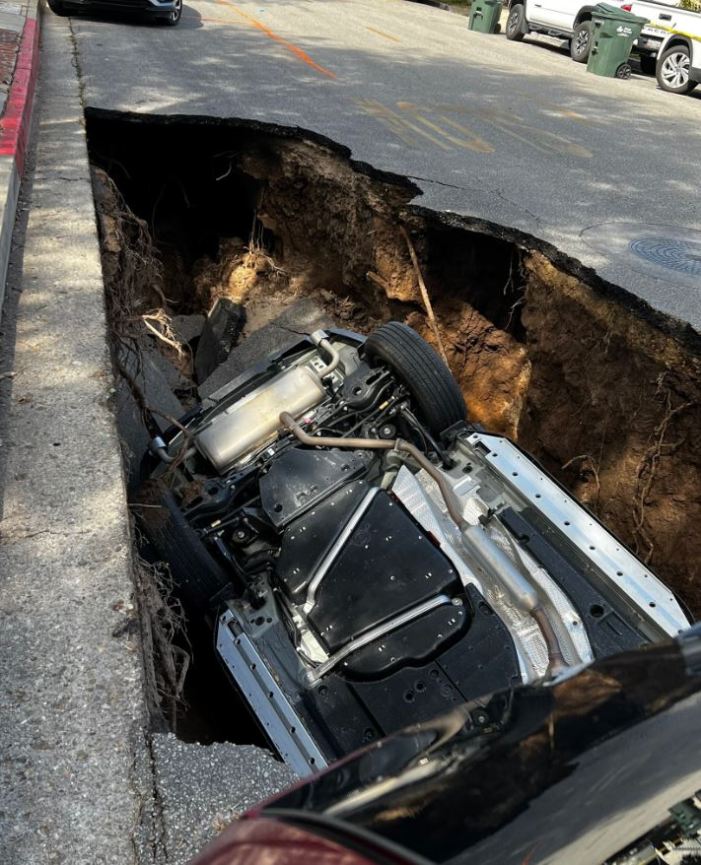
(512, 133)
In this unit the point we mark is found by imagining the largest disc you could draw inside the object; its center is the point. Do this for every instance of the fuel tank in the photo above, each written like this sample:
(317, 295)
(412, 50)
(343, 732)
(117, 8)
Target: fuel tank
(254, 420)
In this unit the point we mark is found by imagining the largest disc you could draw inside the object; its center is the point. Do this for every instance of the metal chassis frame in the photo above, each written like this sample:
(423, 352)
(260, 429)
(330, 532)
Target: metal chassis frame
(279, 720)
(621, 569)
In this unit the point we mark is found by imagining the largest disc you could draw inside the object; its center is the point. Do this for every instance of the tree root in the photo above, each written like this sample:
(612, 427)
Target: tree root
(647, 470)
(162, 627)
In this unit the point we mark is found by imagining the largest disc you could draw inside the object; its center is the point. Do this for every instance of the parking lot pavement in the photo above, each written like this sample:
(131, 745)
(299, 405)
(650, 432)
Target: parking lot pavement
(500, 132)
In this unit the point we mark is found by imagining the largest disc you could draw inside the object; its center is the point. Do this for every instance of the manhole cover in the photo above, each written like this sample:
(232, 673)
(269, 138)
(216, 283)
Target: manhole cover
(652, 250)
(680, 255)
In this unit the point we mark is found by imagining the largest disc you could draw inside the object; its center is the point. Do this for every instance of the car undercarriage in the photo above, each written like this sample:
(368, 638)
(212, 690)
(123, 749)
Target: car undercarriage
(367, 558)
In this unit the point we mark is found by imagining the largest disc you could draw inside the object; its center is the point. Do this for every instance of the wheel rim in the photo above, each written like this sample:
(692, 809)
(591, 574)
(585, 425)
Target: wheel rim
(513, 23)
(675, 69)
(175, 14)
(581, 43)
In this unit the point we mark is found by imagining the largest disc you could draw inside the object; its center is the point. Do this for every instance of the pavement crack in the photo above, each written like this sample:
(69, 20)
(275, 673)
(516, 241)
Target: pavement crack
(148, 834)
(75, 62)
(499, 194)
(440, 183)
(16, 537)
(518, 207)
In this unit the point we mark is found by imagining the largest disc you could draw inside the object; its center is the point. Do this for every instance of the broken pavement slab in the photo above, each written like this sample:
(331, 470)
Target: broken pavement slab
(202, 788)
(155, 380)
(222, 328)
(187, 328)
(301, 317)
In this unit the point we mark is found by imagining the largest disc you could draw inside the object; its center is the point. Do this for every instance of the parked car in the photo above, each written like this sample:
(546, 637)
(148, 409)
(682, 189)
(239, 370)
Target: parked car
(603, 768)
(669, 45)
(366, 557)
(672, 41)
(565, 19)
(162, 11)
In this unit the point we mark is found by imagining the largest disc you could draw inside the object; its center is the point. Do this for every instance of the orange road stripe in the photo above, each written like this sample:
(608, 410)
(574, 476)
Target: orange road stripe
(290, 46)
(384, 35)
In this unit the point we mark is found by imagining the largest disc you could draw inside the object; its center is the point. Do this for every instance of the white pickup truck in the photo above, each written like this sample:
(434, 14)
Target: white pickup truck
(669, 45)
(566, 19)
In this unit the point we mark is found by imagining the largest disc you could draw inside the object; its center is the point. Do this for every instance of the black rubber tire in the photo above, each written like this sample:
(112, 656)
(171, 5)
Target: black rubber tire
(197, 577)
(57, 7)
(430, 382)
(682, 89)
(174, 18)
(648, 64)
(579, 52)
(515, 23)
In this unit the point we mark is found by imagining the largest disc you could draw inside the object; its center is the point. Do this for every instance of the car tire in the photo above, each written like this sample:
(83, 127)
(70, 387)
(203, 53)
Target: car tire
(57, 7)
(174, 17)
(673, 69)
(515, 23)
(580, 45)
(648, 64)
(428, 379)
(197, 577)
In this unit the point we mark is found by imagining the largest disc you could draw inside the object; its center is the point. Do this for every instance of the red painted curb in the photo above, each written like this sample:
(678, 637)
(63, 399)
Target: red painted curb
(14, 125)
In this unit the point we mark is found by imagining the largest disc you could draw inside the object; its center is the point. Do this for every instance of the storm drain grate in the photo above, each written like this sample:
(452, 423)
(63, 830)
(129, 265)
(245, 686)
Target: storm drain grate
(680, 255)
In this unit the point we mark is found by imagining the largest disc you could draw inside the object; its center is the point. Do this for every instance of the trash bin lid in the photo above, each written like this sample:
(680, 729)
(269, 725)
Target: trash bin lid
(606, 10)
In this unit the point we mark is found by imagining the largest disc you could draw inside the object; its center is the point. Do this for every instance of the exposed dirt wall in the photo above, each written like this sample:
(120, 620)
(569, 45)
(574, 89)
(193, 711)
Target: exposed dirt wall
(609, 403)
(613, 408)
(607, 400)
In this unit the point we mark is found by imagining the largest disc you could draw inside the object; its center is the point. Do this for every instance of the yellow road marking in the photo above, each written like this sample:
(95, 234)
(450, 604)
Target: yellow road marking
(393, 121)
(298, 52)
(472, 142)
(549, 141)
(540, 139)
(384, 35)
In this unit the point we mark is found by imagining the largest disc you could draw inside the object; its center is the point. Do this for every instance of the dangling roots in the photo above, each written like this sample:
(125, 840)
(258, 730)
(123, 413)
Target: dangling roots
(162, 626)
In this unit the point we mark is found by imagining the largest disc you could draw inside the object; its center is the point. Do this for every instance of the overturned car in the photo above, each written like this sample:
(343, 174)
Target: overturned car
(367, 558)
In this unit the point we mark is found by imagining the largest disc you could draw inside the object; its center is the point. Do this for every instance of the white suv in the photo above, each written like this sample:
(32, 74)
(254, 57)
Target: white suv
(567, 19)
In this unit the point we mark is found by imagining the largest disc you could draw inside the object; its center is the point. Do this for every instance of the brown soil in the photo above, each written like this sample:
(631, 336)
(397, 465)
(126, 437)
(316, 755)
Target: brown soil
(607, 401)
(613, 410)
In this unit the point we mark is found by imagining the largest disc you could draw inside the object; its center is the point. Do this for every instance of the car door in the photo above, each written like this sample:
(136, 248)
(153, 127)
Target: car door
(662, 19)
(558, 14)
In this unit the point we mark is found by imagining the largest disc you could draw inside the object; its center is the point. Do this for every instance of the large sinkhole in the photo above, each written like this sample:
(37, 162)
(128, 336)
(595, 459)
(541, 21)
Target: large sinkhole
(192, 210)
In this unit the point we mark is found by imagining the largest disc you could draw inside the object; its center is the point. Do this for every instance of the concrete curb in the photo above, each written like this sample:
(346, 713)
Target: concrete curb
(14, 133)
(76, 776)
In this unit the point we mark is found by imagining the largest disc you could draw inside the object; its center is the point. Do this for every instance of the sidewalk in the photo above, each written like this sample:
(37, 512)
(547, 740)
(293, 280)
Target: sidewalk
(19, 64)
(83, 779)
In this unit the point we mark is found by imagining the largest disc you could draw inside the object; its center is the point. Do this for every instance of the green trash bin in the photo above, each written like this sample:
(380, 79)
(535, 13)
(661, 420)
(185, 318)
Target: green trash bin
(613, 34)
(484, 15)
